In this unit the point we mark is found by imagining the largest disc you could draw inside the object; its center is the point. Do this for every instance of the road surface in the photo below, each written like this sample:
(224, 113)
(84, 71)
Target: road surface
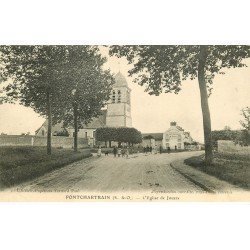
(139, 172)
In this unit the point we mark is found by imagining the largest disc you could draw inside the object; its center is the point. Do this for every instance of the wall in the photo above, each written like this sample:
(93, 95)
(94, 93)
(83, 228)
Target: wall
(57, 141)
(17, 140)
(225, 146)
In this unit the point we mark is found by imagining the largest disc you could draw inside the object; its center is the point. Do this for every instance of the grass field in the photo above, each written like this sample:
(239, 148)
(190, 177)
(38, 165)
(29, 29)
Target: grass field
(18, 164)
(232, 168)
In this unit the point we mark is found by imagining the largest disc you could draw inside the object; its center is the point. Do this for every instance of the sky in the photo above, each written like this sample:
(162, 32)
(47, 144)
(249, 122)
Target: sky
(231, 93)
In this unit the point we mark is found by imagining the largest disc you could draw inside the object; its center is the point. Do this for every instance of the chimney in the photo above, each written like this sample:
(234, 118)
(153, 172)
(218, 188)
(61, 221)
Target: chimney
(172, 124)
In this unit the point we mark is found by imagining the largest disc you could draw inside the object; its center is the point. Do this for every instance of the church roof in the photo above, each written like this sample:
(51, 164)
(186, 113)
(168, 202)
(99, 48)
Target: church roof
(97, 122)
(120, 80)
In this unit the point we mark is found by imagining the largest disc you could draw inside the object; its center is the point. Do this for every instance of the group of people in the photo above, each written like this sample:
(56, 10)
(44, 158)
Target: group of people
(147, 149)
(124, 152)
(117, 151)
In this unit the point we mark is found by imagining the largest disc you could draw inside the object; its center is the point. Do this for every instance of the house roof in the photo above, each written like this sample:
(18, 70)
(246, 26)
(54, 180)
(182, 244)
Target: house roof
(156, 136)
(97, 122)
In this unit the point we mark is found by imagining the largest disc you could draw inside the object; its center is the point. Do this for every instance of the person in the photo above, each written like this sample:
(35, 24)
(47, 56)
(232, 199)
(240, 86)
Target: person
(160, 149)
(127, 152)
(123, 152)
(119, 152)
(115, 151)
(150, 149)
(99, 151)
(175, 148)
(168, 149)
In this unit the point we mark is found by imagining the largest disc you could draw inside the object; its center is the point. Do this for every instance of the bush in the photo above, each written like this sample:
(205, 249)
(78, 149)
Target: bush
(121, 134)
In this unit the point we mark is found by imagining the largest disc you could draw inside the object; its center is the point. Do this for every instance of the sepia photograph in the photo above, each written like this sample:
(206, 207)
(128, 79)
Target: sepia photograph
(124, 125)
(125, 122)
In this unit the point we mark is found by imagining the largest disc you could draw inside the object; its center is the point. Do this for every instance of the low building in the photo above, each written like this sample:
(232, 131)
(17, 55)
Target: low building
(175, 137)
(152, 139)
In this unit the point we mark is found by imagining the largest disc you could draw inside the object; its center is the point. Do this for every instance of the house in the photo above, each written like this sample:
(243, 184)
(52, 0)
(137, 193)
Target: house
(174, 137)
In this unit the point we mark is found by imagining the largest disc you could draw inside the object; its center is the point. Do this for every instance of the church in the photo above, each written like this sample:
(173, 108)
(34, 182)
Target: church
(117, 114)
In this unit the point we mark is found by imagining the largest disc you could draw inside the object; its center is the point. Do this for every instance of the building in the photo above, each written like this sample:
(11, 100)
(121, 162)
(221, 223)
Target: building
(174, 137)
(117, 114)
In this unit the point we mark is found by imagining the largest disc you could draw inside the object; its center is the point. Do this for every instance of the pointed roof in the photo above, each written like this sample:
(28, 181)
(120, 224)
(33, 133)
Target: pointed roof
(120, 80)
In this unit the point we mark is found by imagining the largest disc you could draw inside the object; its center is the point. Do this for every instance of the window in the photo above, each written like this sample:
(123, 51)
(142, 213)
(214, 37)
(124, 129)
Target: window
(113, 96)
(179, 145)
(179, 137)
(94, 134)
(167, 137)
(167, 145)
(42, 132)
(119, 95)
(86, 134)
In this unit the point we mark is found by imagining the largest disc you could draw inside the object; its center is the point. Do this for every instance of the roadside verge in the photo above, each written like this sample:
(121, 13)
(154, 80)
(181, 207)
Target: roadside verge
(207, 182)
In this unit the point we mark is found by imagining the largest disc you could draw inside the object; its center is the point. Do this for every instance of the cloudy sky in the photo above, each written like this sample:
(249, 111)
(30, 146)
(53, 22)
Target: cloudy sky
(154, 113)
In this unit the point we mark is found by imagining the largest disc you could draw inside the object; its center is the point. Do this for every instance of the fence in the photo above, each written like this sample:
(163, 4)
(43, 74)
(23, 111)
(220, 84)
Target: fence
(28, 140)
(230, 147)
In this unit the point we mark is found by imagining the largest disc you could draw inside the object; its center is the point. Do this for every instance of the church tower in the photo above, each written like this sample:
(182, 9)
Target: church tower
(119, 108)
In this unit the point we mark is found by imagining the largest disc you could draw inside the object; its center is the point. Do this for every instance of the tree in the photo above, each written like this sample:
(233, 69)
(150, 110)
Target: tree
(35, 79)
(246, 116)
(245, 133)
(69, 78)
(88, 86)
(106, 134)
(163, 68)
(120, 134)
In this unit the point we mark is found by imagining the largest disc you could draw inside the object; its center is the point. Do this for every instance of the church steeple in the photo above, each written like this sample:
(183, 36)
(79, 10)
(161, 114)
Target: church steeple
(119, 111)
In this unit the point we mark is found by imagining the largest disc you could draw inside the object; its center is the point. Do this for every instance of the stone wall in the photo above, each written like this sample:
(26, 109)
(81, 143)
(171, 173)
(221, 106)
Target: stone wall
(17, 140)
(57, 141)
(225, 146)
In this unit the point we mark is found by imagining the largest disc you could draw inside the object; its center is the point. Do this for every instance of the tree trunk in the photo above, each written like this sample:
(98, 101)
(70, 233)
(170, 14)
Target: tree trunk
(204, 105)
(75, 127)
(49, 116)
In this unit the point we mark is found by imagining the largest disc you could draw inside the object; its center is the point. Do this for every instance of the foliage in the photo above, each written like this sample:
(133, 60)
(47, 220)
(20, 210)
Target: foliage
(88, 85)
(45, 78)
(246, 116)
(241, 137)
(225, 135)
(148, 137)
(64, 132)
(120, 134)
(163, 68)
(106, 134)
(33, 72)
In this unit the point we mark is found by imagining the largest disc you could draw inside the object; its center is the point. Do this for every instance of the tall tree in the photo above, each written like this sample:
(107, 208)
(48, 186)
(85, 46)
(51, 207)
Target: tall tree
(163, 68)
(34, 76)
(64, 83)
(88, 86)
